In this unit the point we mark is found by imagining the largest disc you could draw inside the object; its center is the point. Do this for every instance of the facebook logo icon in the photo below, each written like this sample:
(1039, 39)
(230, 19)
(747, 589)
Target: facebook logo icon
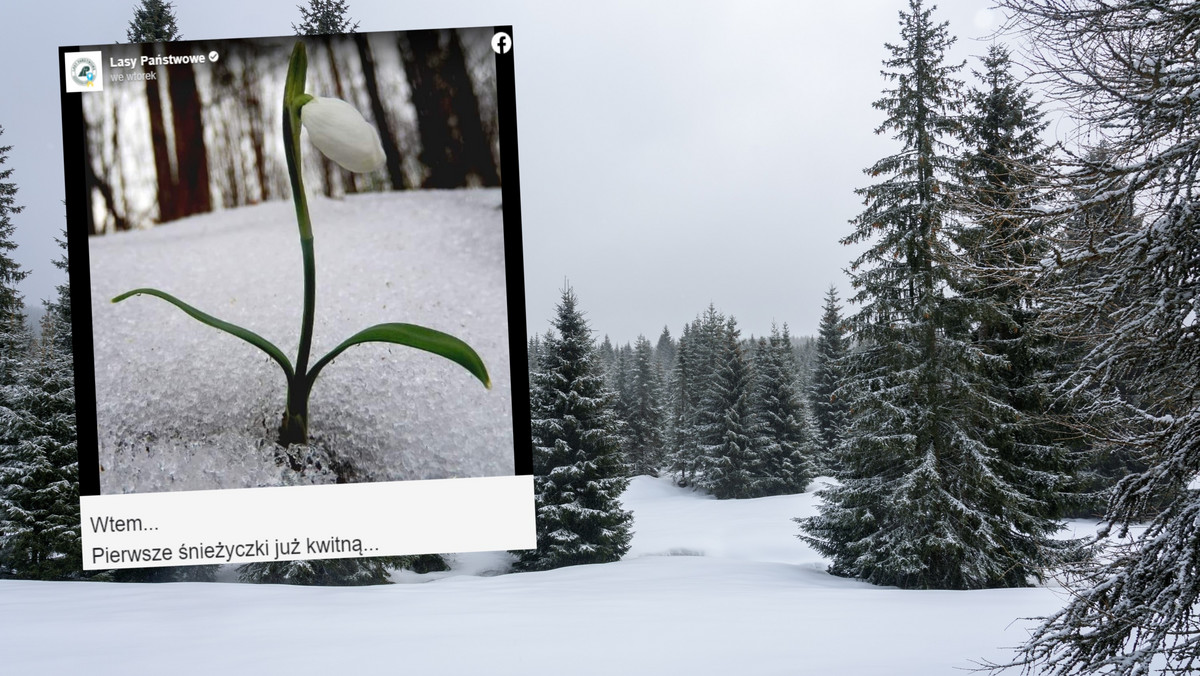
(501, 43)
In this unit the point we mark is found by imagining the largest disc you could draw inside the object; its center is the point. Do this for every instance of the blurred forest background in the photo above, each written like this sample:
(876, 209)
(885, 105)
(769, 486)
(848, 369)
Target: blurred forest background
(203, 137)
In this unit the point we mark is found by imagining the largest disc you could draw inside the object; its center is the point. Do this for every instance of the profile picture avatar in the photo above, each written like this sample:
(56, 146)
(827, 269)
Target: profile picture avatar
(85, 71)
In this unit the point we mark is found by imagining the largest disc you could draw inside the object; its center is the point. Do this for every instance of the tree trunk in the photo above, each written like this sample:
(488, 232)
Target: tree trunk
(191, 155)
(158, 141)
(391, 151)
(476, 149)
(422, 55)
(254, 112)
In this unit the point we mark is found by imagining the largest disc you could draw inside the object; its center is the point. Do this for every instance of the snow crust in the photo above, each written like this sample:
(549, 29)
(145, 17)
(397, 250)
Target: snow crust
(708, 587)
(183, 406)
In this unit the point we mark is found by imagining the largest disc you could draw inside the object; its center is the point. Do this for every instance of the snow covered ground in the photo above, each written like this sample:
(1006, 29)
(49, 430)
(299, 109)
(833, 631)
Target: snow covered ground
(708, 587)
(183, 406)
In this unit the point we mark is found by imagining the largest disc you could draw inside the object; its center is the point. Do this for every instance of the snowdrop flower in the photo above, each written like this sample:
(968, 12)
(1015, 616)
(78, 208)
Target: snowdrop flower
(339, 131)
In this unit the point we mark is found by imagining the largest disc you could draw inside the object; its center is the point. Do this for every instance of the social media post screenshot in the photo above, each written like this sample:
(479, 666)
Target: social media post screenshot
(297, 288)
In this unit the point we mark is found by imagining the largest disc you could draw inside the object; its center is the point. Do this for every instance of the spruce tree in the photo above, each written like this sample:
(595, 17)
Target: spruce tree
(607, 356)
(664, 351)
(829, 407)
(1128, 286)
(28, 544)
(695, 367)
(324, 17)
(784, 443)
(14, 336)
(683, 454)
(926, 501)
(727, 424)
(534, 355)
(12, 307)
(1101, 465)
(577, 467)
(621, 382)
(60, 306)
(154, 21)
(644, 415)
(39, 468)
(1003, 247)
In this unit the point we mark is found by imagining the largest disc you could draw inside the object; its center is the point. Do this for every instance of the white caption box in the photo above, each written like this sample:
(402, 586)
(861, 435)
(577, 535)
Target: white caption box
(307, 522)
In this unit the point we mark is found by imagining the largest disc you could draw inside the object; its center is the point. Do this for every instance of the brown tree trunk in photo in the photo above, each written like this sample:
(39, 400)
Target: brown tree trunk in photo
(227, 168)
(90, 179)
(158, 141)
(476, 149)
(254, 111)
(421, 53)
(99, 181)
(191, 154)
(454, 145)
(121, 210)
(394, 161)
(327, 173)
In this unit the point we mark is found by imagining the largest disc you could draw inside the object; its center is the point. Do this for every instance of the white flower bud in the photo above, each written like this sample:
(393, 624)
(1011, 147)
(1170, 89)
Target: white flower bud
(339, 131)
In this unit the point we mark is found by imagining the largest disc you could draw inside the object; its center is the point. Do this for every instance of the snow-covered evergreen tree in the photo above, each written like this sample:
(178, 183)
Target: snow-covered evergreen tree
(829, 407)
(926, 501)
(683, 450)
(38, 475)
(39, 468)
(621, 381)
(695, 366)
(1129, 69)
(12, 349)
(578, 472)
(644, 413)
(1002, 245)
(727, 425)
(606, 355)
(534, 355)
(154, 21)
(1100, 465)
(784, 439)
(12, 307)
(59, 307)
(324, 17)
(664, 351)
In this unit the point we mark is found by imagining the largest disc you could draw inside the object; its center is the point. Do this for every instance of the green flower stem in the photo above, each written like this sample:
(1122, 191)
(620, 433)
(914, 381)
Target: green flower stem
(294, 427)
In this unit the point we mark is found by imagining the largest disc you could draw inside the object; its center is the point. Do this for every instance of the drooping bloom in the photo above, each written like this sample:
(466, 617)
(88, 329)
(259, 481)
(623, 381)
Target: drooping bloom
(339, 131)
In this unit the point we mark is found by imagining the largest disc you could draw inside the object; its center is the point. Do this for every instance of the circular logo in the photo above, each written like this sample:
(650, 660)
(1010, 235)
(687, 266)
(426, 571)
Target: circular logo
(501, 43)
(84, 72)
(213, 56)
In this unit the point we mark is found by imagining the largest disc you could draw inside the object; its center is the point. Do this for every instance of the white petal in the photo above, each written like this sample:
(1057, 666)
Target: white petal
(339, 131)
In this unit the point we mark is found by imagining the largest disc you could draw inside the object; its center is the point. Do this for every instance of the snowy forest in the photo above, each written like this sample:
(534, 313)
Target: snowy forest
(210, 129)
(1019, 350)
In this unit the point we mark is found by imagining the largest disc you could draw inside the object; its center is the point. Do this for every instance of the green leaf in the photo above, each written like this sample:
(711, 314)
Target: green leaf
(233, 329)
(442, 344)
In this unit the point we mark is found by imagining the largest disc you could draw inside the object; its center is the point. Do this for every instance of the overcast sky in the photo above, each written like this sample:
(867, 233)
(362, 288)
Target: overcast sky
(672, 153)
